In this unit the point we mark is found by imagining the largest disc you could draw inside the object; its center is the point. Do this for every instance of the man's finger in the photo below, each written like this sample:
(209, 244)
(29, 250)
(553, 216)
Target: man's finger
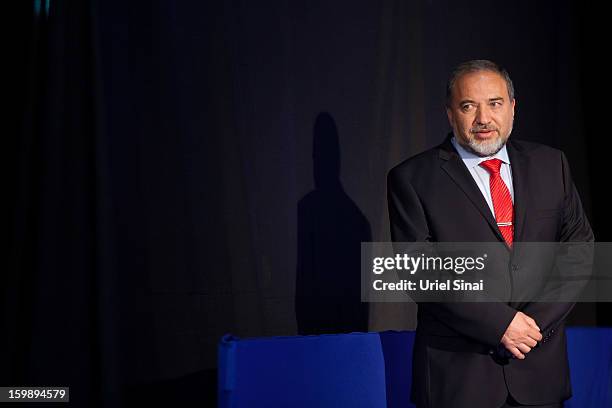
(524, 348)
(537, 336)
(532, 323)
(517, 353)
(534, 334)
(530, 342)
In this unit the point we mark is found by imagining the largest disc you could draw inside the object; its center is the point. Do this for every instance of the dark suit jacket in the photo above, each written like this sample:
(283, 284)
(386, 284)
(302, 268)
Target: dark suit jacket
(433, 197)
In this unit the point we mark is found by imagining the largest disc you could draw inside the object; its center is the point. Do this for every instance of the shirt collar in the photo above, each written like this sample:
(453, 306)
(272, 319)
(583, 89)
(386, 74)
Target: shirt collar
(472, 160)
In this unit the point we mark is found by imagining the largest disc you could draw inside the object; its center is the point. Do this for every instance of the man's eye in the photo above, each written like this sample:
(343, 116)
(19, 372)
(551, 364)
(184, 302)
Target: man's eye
(496, 104)
(466, 108)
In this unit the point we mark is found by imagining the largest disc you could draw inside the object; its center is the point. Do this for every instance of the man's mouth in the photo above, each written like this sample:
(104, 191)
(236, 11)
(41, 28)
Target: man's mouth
(484, 133)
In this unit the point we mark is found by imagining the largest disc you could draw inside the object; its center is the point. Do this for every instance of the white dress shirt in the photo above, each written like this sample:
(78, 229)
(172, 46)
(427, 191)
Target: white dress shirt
(481, 175)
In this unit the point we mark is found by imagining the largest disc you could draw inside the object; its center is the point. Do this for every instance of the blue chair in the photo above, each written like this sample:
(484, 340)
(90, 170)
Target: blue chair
(302, 371)
(590, 359)
(370, 370)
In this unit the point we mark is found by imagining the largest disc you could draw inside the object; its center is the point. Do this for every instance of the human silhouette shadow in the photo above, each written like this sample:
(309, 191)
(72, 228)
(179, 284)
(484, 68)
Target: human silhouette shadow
(330, 231)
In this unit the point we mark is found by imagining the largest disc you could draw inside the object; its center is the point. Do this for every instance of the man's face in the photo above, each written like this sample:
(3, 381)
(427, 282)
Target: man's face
(481, 112)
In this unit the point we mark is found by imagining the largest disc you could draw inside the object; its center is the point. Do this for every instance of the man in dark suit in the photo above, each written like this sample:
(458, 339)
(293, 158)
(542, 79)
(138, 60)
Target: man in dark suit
(481, 186)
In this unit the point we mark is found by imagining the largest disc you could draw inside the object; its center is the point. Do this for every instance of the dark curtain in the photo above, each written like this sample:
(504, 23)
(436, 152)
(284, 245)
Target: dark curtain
(61, 288)
(182, 169)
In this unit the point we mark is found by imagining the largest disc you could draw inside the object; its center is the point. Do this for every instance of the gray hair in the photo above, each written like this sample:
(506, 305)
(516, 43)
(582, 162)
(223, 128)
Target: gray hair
(475, 66)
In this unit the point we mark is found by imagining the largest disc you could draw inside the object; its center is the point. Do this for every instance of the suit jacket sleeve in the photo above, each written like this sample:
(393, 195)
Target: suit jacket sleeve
(484, 322)
(575, 228)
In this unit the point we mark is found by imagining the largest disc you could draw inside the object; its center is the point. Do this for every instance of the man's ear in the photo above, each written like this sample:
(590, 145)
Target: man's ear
(449, 115)
(513, 104)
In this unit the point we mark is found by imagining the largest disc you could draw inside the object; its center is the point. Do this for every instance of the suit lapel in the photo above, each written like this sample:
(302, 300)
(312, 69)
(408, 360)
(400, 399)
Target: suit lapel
(455, 168)
(518, 165)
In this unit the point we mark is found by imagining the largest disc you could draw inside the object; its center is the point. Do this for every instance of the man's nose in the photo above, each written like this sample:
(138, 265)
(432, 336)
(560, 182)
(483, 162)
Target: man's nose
(483, 116)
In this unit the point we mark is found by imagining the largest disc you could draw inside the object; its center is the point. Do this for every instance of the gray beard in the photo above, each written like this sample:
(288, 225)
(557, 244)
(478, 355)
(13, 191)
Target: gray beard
(485, 148)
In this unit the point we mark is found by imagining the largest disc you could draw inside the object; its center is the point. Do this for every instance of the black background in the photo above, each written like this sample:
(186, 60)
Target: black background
(182, 170)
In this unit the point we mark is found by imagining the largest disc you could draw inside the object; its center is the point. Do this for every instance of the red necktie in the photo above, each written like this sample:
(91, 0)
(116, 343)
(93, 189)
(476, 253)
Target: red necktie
(502, 201)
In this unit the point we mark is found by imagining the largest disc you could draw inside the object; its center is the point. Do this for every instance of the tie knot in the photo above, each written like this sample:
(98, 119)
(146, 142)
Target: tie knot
(492, 165)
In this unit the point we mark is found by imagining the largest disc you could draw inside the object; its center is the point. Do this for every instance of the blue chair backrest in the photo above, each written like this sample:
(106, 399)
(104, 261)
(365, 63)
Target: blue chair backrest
(370, 370)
